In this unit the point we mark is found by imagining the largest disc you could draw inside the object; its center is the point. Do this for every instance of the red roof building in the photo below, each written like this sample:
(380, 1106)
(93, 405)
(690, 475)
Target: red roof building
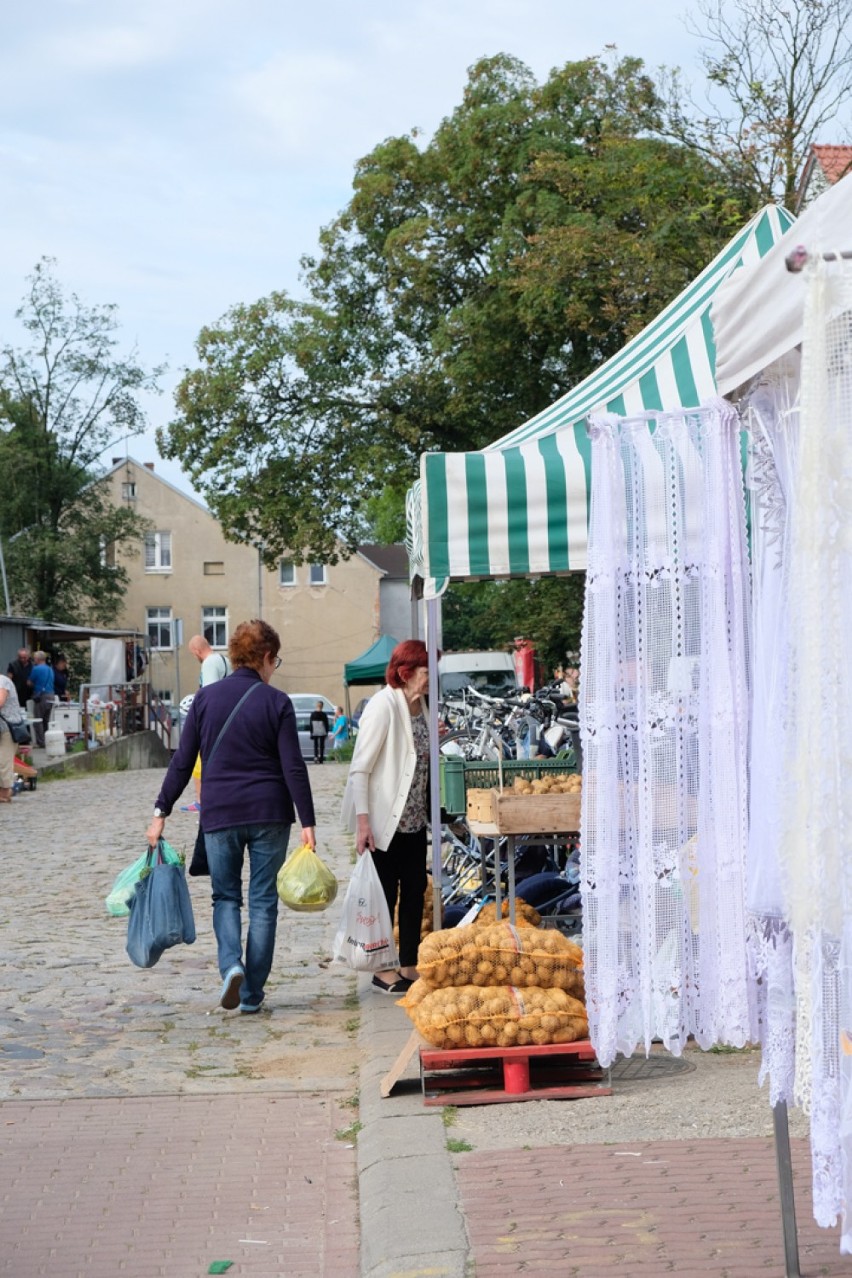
(824, 166)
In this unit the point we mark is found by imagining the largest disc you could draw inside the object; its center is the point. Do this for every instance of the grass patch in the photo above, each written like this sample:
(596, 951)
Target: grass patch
(352, 1025)
(349, 1134)
(449, 1115)
(352, 1102)
(352, 1000)
(458, 1146)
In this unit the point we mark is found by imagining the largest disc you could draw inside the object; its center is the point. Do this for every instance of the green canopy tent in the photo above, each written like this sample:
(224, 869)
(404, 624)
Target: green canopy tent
(370, 667)
(519, 507)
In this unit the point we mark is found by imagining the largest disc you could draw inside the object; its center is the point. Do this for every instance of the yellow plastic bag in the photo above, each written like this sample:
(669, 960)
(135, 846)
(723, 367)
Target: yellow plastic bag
(304, 883)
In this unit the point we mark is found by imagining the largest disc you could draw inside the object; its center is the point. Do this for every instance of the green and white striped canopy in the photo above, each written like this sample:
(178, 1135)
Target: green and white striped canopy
(520, 506)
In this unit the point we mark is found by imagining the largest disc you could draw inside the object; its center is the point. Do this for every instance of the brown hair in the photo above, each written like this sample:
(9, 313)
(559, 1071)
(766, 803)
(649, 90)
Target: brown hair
(405, 659)
(250, 642)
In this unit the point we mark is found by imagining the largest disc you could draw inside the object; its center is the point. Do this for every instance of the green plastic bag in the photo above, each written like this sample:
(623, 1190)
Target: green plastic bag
(125, 883)
(305, 883)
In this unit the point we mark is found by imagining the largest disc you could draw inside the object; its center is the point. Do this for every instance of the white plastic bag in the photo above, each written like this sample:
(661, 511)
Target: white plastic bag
(365, 938)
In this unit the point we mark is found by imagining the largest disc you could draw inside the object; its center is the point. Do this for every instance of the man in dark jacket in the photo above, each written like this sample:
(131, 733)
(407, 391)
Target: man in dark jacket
(19, 671)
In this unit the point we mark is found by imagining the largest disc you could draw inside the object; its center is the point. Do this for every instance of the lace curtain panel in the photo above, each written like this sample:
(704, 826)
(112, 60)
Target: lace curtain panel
(800, 854)
(664, 712)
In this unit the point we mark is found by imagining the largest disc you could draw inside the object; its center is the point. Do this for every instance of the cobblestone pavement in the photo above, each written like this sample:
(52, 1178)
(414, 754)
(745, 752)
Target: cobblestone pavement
(81, 1025)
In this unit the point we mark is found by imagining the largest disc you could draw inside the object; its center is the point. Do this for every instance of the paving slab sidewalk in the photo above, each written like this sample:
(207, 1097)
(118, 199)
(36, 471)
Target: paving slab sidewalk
(579, 1210)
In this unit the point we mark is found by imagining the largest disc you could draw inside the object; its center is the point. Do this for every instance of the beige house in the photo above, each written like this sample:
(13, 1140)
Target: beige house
(187, 579)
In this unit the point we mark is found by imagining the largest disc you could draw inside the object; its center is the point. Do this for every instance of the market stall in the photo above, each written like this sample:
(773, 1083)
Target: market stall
(482, 515)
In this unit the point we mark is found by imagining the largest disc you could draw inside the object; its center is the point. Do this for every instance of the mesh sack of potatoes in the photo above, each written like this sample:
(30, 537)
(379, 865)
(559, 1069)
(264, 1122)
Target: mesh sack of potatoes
(470, 1016)
(499, 954)
(524, 913)
(426, 920)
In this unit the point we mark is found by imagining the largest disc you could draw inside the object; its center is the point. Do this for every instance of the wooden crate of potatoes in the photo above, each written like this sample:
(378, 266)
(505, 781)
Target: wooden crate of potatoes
(538, 806)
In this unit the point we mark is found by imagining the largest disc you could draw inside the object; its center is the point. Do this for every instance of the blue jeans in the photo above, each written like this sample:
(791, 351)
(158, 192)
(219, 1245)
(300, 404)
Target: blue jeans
(267, 848)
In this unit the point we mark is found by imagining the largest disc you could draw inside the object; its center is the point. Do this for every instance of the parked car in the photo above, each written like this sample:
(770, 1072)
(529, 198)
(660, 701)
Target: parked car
(303, 704)
(357, 712)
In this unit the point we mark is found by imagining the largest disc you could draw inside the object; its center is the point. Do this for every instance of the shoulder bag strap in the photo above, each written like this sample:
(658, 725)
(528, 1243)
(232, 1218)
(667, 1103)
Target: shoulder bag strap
(226, 724)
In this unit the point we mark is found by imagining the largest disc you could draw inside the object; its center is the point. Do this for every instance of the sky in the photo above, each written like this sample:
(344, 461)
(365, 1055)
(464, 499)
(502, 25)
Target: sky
(178, 157)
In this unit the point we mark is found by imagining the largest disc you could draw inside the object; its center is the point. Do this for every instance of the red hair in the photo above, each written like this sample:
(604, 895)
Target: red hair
(250, 642)
(405, 659)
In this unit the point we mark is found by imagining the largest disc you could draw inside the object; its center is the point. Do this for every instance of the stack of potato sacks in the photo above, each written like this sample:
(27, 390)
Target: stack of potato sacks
(493, 985)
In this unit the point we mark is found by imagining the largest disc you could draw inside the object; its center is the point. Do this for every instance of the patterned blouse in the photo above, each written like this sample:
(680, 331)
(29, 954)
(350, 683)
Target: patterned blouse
(415, 814)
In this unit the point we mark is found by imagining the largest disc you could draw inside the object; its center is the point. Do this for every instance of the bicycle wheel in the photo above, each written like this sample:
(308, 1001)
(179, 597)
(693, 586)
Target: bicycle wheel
(459, 745)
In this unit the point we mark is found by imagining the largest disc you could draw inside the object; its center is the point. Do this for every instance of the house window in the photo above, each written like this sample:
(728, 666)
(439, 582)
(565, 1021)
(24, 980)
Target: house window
(158, 551)
(317, 574)
(214, 625)
(286, 573)
(128, 491)
(159, 626)
(214, 568)
(106, 552)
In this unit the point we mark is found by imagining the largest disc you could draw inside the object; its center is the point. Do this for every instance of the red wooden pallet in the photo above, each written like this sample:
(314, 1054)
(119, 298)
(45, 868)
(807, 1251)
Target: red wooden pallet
(486, 1075)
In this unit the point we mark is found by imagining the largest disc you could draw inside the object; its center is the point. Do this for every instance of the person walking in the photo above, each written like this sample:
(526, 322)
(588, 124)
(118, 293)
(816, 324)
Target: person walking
(41, 682)
(214, 666)
(319, 732)
(255, 782)
(19, 671)
(386, 799)
(340, 729)
(10, 712)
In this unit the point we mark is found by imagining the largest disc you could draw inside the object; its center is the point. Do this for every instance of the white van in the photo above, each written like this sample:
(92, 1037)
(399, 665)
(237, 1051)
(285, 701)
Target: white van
(489, 672)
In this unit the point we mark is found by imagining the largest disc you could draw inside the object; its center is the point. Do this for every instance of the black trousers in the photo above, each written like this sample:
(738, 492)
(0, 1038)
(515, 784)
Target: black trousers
(402, 872)
(319, 749)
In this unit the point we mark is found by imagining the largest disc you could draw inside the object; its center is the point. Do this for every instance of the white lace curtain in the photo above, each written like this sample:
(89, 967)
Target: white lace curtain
(800, 853)
(664, 704)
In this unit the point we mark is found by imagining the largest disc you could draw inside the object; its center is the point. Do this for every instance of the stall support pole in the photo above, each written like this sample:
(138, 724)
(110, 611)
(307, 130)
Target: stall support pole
(785, 1188)
(432, 619)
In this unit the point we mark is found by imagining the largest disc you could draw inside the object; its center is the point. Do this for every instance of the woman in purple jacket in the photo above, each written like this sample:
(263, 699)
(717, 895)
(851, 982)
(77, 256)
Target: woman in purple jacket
(254, 772)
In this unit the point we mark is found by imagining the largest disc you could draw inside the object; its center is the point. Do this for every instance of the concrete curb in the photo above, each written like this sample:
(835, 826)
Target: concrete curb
(411, 1223)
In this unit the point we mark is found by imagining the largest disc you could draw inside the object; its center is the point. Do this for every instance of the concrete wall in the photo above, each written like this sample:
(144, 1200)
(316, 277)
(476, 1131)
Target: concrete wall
(140, 750)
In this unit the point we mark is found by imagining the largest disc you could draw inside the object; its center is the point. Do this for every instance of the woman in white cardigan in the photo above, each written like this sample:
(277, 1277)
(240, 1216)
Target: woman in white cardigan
(386, 801)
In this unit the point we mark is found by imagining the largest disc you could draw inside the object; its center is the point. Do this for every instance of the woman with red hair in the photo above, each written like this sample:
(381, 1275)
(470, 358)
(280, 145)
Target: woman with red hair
(386, 802)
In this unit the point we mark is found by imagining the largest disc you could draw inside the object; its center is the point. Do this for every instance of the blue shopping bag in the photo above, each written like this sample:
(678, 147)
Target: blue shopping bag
(160, 911)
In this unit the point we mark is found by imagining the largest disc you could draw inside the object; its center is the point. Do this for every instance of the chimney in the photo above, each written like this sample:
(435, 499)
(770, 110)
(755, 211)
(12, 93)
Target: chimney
(149, 465)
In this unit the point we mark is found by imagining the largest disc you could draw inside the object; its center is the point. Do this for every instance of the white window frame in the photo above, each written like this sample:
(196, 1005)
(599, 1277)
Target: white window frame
(159, 544)
(163, 617)
(287, 564)
(215, 615)
(321, 569)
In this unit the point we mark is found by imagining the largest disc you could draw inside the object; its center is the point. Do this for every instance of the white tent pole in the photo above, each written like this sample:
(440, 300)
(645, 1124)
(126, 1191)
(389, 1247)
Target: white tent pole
(432, 624)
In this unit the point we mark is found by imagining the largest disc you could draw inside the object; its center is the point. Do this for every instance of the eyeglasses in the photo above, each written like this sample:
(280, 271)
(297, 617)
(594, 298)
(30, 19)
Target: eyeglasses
(277, 663)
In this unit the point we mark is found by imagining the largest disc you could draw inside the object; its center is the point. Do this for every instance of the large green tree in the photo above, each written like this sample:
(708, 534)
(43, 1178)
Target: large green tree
(471, 279)
(63, 398)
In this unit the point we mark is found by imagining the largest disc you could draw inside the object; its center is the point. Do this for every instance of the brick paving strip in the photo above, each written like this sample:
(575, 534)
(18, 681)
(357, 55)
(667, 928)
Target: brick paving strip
(164, 1185)
(144, 1130)
(682, 1207)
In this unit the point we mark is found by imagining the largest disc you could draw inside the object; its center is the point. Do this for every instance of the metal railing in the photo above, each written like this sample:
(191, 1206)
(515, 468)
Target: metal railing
(110, 711)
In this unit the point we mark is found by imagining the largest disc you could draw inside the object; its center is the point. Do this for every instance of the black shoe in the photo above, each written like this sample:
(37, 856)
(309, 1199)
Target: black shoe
(400, 986)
